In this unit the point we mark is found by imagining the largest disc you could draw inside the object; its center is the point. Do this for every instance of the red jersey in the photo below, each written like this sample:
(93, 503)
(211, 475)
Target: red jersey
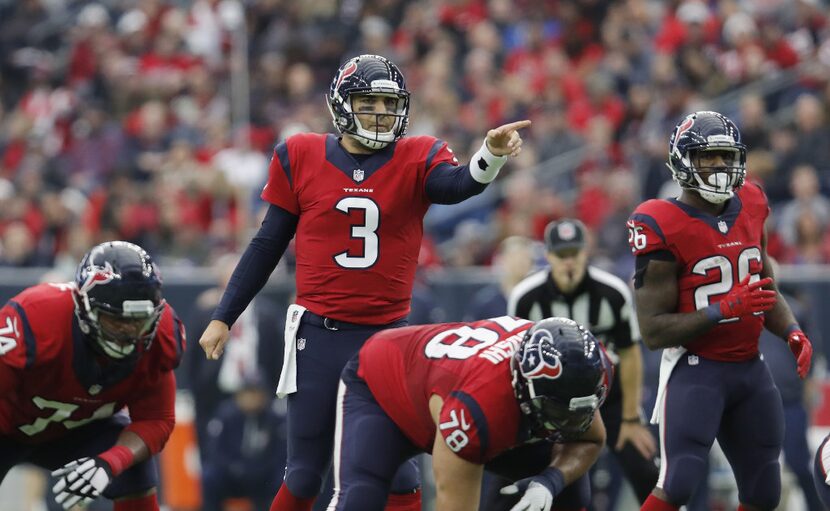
(360, 223)
(52, 382)
(467, 365)
(714, 254)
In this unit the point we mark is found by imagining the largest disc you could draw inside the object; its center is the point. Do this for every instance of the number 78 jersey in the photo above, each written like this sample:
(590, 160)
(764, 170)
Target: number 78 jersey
(467, 365)
(361, 223)
(714, 254)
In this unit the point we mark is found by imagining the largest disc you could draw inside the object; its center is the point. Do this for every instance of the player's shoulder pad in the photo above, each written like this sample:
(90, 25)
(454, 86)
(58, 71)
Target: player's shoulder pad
(752, 195)
(305, 140)
(170, 341)
(35, 324)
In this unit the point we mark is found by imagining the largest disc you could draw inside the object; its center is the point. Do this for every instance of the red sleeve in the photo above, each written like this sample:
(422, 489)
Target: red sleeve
(464, 427)
(281, 180)
(17, 344)
(440, 153)
(153, 414)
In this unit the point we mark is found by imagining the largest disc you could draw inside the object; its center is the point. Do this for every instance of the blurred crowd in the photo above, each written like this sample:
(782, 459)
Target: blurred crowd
(154, 120)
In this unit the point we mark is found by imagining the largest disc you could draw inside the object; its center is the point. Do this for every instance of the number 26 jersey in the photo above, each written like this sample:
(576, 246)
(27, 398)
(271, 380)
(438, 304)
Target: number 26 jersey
(714, 253)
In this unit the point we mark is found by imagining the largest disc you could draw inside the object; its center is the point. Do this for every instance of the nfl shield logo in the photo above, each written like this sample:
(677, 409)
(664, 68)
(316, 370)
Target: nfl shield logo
(722, 227)
(357, 175)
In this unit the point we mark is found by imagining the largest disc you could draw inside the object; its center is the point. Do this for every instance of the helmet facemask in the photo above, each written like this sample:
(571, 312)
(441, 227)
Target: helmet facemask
(125, 333)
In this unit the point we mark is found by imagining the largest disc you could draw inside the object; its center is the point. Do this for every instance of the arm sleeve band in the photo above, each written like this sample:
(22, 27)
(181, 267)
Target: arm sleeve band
(485, 166)
(257, 263)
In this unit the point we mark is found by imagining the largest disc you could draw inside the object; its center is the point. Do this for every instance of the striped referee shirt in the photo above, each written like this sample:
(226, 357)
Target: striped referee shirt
(602, 303)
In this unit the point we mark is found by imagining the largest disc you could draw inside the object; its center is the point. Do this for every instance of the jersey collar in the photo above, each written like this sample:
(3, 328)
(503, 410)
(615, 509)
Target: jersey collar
(357, 171)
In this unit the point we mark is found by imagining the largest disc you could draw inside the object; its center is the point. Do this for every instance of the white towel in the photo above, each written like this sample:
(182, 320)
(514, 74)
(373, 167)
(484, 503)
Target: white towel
(667, 363)
(288, 375)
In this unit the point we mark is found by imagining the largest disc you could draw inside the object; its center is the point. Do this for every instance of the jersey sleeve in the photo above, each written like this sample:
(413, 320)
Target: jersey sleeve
(644, 232)
(440, 154)
(463, 426)
(279, 190)
(17, 342)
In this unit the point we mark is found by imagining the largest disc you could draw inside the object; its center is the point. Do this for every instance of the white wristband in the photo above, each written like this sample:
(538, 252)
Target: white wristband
(484, 165)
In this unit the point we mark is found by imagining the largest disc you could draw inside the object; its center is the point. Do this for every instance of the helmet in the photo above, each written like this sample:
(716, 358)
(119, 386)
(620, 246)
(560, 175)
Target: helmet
(706, 131)
(368, 74)
(118, 299)
(561, 376)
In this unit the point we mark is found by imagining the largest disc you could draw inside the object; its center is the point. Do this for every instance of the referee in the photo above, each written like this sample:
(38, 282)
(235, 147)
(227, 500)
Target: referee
(602, 302)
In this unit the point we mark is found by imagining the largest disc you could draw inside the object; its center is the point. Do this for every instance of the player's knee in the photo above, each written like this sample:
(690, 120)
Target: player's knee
(303, 483)
(765, 491)
(683, 478)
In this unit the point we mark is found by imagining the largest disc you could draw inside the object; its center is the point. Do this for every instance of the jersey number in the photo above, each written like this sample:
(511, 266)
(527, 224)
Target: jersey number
(367, 231)
(458, 438)
(724, 266)
(464, 342)
(62, 413)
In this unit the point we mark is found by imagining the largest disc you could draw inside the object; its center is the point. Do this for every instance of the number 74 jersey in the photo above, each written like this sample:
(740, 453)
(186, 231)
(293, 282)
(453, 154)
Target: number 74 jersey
(713, 253)
(467, 365)
(360, 222)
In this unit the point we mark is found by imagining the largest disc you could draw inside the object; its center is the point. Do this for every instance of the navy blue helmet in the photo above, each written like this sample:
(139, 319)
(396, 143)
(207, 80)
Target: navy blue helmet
(707, 131)
(561, 376)
(375, 75)
(118, 298)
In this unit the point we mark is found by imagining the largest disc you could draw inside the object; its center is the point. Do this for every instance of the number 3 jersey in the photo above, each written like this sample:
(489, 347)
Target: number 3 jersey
(467, 365)
(714, 253)
(51, 381)
(361, 223)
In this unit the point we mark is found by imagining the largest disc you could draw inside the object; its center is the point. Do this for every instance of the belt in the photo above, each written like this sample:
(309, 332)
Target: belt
(335, 324)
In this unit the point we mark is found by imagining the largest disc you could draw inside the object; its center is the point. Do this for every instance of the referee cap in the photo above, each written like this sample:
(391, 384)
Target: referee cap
(565, 233)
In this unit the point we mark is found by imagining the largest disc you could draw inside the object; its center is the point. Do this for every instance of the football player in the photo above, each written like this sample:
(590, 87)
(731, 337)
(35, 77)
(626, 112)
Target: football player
(73, 356)
(504, 394)
(704, 289)
(356, 204)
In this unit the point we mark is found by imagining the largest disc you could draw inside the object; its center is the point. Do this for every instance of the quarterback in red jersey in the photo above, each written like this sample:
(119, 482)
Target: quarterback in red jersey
(704, 289)
(502, 394)
(73, 356)
(356, 204)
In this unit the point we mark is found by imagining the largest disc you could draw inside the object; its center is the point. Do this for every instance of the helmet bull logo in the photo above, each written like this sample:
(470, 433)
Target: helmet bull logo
(345, 73)
(539, 362)
(98, 275)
